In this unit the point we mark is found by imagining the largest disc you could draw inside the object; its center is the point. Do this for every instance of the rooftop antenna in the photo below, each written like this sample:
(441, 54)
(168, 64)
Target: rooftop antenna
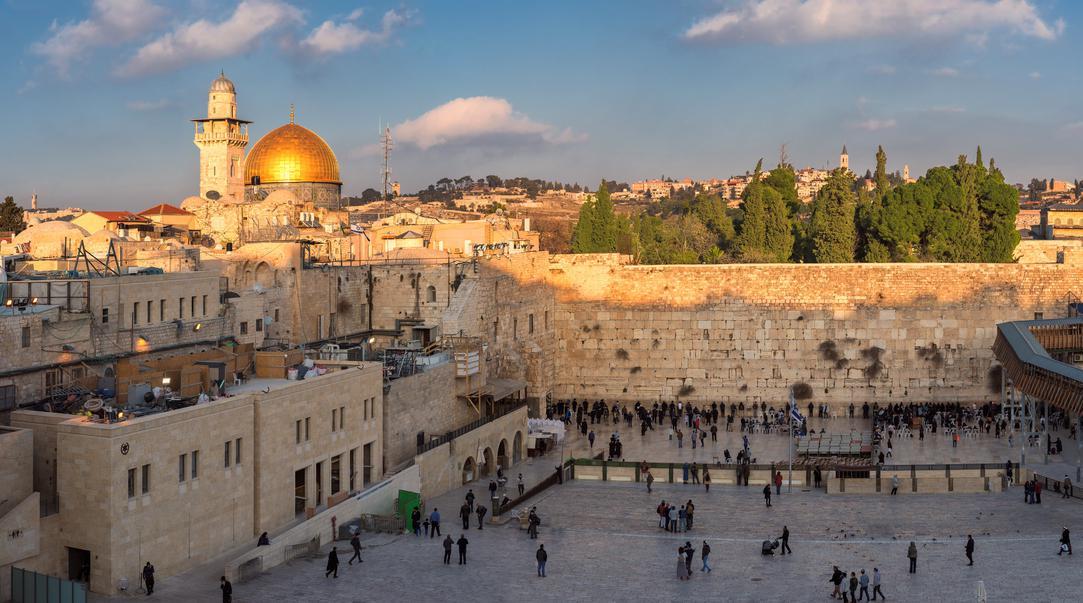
(386, 142)
(293, 113)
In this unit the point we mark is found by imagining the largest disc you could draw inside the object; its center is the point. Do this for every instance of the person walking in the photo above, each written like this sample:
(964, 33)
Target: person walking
(148, 578)
(227, 590)
(778, 483)
(355, 542)
(704, 553)
(689, 511)
(1065, 542)
(462, 542)
(682, 570)
(894, 485)
(464, 514)
(415, 520)
(522, 487)
(481, 516)
(332, 563)
(1037, 492)
(767, 495)
(447, 549)
(470, 499)
(590, 438)
(532, 524)
(836, 578)
(970, 549)
(912, 554)
(876, 585)
(689, 552)
(786, 540)
(853, 588)
(863, 582)
(650, 481)
(434, 519)
(542, 557)
(706, 480)
(1066, 487)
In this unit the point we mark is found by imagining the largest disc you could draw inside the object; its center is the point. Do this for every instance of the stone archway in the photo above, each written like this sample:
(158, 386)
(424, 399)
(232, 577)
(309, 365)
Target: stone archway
(502, 454)
(517, 448)
(487, 467)
(469, 470)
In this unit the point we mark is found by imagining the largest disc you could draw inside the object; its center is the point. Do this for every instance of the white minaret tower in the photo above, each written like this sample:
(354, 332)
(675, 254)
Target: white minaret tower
(34, 201)
(844, 159)
(221, 139)
(906, 172)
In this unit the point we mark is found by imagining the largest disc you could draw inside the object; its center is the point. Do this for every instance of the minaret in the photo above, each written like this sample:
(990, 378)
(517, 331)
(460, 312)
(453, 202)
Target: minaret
(34, 201)
(221, 139)
(844, 159)
(906, 172)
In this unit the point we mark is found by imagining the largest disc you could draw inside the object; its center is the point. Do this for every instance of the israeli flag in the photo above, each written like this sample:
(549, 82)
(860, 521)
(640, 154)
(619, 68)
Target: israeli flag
(795, 414)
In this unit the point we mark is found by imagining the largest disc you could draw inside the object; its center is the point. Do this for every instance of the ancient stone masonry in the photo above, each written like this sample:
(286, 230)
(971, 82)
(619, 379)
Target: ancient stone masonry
(746, 333)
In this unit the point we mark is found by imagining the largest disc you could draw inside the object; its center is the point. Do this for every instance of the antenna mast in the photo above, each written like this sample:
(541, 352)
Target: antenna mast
(385, 141)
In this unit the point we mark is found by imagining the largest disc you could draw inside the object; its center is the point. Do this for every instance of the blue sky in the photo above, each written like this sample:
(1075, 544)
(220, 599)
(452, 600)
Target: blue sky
(100, 91)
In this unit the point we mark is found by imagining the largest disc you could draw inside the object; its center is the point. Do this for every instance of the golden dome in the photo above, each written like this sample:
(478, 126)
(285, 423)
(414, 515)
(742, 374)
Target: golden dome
(291, 153)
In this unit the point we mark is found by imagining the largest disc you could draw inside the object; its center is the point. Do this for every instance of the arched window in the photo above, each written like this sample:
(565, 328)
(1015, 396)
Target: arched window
(430, 294)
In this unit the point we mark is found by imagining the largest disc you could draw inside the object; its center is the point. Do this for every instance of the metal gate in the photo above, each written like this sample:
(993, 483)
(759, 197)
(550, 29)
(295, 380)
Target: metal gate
(32, 587)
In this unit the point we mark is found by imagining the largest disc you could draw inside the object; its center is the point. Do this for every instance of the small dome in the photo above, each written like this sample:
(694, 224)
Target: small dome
(51, 229)
(103, 235)
(192, 203)
(281, 197)
(222, 84)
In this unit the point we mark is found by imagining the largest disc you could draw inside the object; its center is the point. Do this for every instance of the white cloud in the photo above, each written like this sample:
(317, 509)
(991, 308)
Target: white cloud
(945, 72)
(355, 14)
(145, 105)
(809, 21)
(204, 40)
(477, 119)
(111, 22)
(873, 125)
(335, 38)
(1035, 75)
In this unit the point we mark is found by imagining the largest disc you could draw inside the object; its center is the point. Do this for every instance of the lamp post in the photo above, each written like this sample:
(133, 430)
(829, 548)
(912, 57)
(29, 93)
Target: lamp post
(369, 341)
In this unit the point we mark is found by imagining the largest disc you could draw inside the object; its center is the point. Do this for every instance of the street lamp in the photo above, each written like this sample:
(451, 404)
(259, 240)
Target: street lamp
(370, 341)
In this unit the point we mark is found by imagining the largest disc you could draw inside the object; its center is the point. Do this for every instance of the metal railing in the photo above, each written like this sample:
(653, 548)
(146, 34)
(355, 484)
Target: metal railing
(451, 435)
(1053, 485)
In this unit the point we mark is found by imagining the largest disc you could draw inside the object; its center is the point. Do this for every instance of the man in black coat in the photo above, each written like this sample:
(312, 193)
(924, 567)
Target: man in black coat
(332, 563)
(447, 549)
(462, 542)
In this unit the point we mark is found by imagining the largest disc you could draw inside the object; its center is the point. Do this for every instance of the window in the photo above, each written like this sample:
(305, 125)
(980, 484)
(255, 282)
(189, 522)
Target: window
(195, 464)
(307, 419)
(530, 324)
(150, 311)
(334, 420)
(7, 397)
(204, 305)
(193, 306)
(1038, 316)
(180, 308)
(342, 417)
(244, 328)
(515, 328)
(26, 337)
(298, 431)
(237, 451)
(161, 310)
(430, 294)
(135, 313)
(546, 324)
(336, 477)
(365, 409)
(227, 456)
(146, 479)
(105, 316)
(131, 483)
(259, 325)
(353, 469)
(276, 314)
(182, 469)
(319, 327)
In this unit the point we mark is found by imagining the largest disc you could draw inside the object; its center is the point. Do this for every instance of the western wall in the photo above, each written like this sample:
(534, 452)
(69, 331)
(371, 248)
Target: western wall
(748, 332)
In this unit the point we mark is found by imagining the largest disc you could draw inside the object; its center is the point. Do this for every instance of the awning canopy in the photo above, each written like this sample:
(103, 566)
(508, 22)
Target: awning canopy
(499, 389)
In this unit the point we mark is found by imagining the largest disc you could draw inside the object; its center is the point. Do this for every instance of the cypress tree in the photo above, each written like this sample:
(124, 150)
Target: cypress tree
(832, 227)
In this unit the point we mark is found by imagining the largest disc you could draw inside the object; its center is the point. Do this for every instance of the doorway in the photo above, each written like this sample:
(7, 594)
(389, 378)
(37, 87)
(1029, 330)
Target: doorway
(79, 565)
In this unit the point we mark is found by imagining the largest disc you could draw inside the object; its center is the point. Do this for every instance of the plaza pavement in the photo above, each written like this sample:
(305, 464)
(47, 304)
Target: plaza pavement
(604, 543)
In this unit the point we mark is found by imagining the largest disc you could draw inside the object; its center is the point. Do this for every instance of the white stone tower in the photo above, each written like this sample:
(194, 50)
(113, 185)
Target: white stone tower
(844, 159)
(906, 172)
(34, 201)
(221, 139)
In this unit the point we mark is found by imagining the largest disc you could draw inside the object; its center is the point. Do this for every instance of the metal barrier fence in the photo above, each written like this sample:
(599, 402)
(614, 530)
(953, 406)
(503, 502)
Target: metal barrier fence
(451, 435)
(1053, 485)
(305, 549)
(32, 587)
(382, 523)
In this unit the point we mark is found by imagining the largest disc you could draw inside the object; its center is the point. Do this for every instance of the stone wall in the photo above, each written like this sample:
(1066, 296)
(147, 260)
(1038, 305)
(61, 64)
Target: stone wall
(421, 402)
(746, 333)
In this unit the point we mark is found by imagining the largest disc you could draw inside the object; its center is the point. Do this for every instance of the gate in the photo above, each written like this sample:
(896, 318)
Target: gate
(32, 587)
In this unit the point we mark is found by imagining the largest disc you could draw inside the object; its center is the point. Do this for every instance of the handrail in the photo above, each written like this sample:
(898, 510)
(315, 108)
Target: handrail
(451, 435)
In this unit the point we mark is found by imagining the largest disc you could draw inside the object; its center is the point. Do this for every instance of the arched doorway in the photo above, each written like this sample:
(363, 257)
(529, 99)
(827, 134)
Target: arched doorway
(469, 470)
(487, 468)
(517, 447)
(502, 454)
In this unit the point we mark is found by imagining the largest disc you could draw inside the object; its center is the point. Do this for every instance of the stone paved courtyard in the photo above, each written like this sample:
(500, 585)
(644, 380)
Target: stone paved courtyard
(604, 542)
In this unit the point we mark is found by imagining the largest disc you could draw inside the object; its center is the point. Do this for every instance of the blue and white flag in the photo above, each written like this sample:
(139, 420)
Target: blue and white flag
(795, 414)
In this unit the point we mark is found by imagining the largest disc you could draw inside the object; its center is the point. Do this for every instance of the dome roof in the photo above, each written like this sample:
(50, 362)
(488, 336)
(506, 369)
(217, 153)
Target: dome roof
(222, 84)
(291, 153)
(104, 235)
(192, 203)
(281, 197)
(52, 230)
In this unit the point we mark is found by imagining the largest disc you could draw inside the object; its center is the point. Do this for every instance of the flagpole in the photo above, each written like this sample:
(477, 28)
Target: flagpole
(793, 407)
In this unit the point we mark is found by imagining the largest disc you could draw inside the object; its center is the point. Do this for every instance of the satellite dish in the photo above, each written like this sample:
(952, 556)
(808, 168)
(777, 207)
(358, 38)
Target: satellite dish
(214, 195)
(92, 404)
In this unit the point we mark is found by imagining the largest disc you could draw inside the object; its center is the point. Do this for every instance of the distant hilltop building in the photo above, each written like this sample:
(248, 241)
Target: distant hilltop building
(844, 159)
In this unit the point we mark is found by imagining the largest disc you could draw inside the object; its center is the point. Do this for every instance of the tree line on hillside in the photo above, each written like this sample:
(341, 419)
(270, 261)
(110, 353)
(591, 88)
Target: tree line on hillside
(959, 213)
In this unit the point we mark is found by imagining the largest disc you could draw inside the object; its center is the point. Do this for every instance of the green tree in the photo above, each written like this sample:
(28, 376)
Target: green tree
(832, 228)
(11, 216)
(597, 229)
(784, 180)
(711, 211)
(583, 232)
(765, 234)
(882, 182)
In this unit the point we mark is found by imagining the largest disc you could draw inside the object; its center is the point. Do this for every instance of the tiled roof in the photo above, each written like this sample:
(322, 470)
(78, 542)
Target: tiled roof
(165, 209)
